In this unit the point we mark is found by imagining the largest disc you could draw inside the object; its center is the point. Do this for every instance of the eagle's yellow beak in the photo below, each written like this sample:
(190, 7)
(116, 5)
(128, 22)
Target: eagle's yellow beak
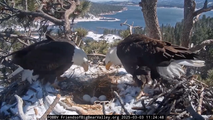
(85, 66)
(108, 65)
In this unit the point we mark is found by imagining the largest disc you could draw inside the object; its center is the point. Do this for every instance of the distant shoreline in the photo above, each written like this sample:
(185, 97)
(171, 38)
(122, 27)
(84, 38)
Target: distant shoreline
(100, 17)
(113, 12)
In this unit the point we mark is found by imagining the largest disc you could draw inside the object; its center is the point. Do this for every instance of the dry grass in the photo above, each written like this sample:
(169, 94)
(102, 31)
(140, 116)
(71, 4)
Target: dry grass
(102, 85)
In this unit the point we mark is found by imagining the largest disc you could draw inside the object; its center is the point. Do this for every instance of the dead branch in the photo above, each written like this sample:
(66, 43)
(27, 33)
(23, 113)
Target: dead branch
(200, 101)
(197, 48)
(172, 106)
(79, 110)
(204, 9)
(191, 110)
(103, 108)
(96, 54)
(121, 102)
(130, 26)
(20, 107)
(17, 71)
(23, 42)
(51, 107)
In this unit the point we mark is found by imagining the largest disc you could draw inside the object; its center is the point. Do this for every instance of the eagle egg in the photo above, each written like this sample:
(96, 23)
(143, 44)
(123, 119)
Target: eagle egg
(102, 98)
(86, 98)
(93, 99)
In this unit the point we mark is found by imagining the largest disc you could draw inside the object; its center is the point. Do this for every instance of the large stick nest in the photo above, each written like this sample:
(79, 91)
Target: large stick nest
(177, 99)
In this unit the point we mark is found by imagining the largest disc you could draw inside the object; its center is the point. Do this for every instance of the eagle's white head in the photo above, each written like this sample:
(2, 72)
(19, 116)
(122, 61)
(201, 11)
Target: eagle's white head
(80, 58)
(112, 58)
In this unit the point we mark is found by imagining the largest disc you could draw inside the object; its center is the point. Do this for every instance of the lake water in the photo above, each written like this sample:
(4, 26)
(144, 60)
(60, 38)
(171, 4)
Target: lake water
(134, 14)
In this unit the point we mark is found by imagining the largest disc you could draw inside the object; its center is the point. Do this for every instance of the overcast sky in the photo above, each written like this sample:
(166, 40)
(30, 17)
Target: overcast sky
(106, 0)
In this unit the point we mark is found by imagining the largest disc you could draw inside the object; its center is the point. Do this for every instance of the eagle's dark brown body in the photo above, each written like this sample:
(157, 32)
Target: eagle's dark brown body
(137, 51)
(48, 58)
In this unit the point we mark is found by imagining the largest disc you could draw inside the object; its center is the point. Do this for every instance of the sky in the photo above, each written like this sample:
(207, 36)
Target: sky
(106, 0)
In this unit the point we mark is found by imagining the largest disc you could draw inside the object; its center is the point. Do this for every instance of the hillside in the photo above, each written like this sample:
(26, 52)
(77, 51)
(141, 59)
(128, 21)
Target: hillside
(98, 8)
(162, 3)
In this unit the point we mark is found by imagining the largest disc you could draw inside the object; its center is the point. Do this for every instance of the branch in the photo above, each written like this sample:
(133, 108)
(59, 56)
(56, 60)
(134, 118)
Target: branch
(196, 48)
(200, 101)
(67, 13)
(96, 54)
(17, 71)
(23, 42)
(79, 110)
(43, 15)
(130, 26)
(20, 107)
(191, 110)
(44, 116)
(121, 102)
(204, 9)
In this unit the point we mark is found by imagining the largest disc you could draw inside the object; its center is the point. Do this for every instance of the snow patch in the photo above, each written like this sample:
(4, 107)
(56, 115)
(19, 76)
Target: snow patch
(110, 38)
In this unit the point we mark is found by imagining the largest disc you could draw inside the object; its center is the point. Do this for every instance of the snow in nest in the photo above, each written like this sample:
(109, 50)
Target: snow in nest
(110, 38)
(34, 96)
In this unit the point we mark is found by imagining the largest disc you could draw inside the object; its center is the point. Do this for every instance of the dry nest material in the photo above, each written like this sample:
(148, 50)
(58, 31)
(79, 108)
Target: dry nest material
(102, 85)
(182, 99)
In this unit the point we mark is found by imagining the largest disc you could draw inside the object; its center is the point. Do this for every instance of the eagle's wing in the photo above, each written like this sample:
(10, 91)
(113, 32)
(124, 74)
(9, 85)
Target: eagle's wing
(48, 58)
(149, 50)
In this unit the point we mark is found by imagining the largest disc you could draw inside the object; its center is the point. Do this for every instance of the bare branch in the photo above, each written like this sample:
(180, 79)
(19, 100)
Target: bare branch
(44, 116)
(23, 42)
(196, 48)
(130, 26)
(96, 54)
(199, 110)
(121, 102)
(204, 9)
(67, 13)
(17, 71)
(44, 15)
(20, 107)
(79, 110)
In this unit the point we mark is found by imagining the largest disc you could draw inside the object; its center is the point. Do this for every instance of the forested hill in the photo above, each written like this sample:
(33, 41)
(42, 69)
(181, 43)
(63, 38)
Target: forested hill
(161, 3)
(98, 8)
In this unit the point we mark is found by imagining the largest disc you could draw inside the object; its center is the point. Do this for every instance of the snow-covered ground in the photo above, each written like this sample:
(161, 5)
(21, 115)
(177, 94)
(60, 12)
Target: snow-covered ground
(95, 18)
(110, 38)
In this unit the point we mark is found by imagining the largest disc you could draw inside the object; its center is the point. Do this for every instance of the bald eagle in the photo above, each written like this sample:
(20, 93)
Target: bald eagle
(49, 58)
(161, 58)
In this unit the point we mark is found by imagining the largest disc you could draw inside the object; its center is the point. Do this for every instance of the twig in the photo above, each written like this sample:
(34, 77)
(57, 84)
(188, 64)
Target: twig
(20, 69)
(200, 82)
(121, 102)
(103, 108)
(180, 115)
(44, 116)
(200, 101)
(130, 26)
(20, 107)
(197, 48)
(173, 105)
(191, 110)
(79, 110)
(23, 42)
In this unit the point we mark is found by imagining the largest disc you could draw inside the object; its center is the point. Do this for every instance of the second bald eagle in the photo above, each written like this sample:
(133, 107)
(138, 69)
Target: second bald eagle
(49, 58)
(162, 58)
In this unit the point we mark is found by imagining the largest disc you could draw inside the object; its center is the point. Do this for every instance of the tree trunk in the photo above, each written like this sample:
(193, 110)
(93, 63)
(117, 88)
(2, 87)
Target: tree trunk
(66, 18)
(189, 8)
(149, 9)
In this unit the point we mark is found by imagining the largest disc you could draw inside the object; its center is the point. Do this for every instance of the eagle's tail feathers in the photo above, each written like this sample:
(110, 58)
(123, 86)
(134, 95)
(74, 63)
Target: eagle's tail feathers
(192, 63)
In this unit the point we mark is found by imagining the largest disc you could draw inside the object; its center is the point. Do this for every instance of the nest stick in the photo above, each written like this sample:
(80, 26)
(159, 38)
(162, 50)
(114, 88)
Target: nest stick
(103, 107)
(44, 116)
(172, 106)
(121, 102)
(200, 101)
(20, 107)
(79, 110)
